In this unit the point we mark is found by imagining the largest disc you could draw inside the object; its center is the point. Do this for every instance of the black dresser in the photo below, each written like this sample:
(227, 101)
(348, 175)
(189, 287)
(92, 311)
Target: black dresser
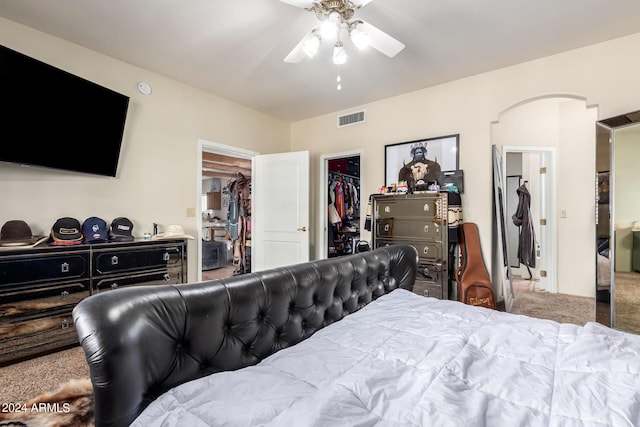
(39, 287)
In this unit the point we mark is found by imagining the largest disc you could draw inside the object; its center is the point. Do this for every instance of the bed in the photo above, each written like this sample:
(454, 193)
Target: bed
(393, 358)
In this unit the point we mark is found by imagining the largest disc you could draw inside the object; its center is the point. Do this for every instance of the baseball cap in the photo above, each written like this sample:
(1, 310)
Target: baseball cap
(17, 233)
(120, 230)
(66, 231)
(94, 230)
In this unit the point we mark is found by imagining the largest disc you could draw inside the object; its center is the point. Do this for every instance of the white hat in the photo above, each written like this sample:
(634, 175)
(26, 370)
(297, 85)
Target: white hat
(173, 231)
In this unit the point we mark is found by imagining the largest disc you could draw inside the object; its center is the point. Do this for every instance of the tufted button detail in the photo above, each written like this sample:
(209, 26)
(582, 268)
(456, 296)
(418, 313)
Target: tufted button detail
(292, 305)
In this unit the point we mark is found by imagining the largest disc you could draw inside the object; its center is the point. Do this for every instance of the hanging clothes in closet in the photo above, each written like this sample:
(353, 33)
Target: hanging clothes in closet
(239, 221)
(522, 218)
(343, 214)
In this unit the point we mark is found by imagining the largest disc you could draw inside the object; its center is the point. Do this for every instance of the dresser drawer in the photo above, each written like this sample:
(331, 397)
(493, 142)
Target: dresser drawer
(427, 250)
(431, 280)
(29, 301)
(25, 270)
(29, 337)
(110, 262)
(409, 228)
(170, 276)
(428, 289)
(428, 207)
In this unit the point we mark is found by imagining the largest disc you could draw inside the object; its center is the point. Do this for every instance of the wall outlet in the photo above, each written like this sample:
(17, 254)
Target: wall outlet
(191, 212)
(563, 214)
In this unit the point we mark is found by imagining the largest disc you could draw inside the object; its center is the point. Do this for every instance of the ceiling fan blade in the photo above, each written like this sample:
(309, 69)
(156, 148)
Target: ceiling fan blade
(300, 3)
(297, 54)
(382, 41)
(360, 3)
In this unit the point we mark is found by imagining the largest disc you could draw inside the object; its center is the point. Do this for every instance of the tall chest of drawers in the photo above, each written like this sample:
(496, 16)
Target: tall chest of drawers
(419, 220)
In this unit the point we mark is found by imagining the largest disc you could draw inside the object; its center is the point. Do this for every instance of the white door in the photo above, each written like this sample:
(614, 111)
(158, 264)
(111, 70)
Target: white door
(279, 210)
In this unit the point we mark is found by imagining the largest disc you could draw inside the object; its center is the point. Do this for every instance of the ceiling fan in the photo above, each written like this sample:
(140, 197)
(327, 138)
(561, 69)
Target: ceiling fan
(336, 18)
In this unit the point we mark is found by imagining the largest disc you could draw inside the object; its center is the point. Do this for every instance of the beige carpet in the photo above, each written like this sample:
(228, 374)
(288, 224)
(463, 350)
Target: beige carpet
(22, 381)
(627, 296)
(559, 307)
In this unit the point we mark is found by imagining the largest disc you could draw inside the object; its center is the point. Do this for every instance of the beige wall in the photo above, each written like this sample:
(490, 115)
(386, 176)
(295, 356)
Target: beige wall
(469, 106)
(157, 177)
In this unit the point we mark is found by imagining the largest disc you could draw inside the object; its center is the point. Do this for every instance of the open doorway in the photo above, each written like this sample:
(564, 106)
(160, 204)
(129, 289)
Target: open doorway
(530, 176)
(223, 251)
(342, 222)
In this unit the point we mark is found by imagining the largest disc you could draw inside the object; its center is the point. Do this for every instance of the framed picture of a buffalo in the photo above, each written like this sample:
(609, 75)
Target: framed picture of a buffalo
(418, 162)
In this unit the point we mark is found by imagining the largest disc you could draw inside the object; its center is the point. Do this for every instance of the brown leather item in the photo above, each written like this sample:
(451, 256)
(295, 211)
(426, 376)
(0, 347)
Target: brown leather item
(472, 277)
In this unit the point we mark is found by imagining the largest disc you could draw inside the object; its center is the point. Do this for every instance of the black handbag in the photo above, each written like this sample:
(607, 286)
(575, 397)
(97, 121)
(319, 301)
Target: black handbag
(362, 246)
(448, 178)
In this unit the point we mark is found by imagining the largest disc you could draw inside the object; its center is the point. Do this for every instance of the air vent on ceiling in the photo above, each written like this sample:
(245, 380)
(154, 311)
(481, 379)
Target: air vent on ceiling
(351, 119)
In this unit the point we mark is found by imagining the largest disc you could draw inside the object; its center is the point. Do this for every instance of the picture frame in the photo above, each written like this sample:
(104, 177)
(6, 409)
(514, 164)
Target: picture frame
(603, 187)
(406, 161)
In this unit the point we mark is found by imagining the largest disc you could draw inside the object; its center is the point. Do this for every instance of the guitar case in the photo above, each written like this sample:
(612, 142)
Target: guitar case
(473, 282)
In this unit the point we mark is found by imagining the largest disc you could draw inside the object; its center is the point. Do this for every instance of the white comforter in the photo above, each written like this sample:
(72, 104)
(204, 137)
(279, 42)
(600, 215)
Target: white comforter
(407, 360)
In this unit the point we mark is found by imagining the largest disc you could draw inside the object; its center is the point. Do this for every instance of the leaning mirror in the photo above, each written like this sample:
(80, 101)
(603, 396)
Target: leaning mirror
(501, 268)
(618, 222)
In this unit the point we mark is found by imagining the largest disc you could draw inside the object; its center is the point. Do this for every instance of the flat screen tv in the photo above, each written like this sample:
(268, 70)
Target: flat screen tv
(54, 119)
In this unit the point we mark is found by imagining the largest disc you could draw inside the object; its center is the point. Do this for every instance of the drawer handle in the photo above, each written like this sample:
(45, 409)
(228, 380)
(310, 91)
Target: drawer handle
(64, 267)
(426, 250)
(426, 228)
(65, 324)
(114, 260)
(387, 209)
(166, 256)
(114, 286)
(427, 208)
(386, 227)
(64, 295)
(167, 277)
(425, 292)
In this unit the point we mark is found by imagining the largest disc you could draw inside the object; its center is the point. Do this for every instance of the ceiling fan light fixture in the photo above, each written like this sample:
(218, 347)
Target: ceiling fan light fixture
(360, 38)
(329, 27)
(311, 45)
(339, 54)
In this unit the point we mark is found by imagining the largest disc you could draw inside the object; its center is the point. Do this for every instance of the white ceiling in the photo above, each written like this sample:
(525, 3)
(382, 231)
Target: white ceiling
(235, 48)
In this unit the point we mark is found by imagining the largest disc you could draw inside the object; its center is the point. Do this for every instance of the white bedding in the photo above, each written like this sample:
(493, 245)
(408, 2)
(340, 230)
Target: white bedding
(407, 360)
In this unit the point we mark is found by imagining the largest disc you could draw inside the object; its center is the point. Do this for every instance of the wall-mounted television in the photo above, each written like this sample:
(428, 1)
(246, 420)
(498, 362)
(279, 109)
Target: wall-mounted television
(54, 119)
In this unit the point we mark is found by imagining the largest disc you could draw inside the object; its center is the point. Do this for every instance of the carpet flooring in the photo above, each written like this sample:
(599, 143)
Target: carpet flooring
(22, 381)
(559, 307)
(627, 295)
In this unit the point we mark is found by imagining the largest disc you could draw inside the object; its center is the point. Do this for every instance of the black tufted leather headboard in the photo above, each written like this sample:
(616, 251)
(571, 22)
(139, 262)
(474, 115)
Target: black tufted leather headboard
(142, 341)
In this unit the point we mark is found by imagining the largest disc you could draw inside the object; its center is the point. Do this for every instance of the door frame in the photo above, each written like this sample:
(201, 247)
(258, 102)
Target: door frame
(217, 148)
(549, 236)
(323, 222)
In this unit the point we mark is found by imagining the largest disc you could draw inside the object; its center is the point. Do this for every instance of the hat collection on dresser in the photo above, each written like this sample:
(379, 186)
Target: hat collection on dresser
(70, 231)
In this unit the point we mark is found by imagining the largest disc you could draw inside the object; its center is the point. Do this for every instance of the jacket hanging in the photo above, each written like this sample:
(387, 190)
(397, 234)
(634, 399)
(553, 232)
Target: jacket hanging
(522, 218)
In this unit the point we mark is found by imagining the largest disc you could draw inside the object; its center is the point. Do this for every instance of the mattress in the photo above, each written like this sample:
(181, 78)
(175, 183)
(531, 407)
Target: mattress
(408, 360)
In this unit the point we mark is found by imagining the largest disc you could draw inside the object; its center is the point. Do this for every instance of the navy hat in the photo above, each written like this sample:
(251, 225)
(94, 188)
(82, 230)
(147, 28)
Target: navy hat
(94, 230)
(66, 231)
(121, 229)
